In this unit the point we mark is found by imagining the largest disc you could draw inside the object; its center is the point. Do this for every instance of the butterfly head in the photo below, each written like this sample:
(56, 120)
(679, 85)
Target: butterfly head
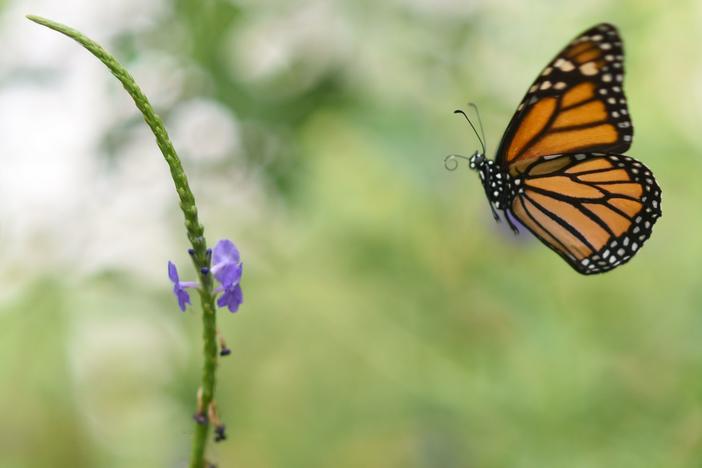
(496, 182)
(477, 161)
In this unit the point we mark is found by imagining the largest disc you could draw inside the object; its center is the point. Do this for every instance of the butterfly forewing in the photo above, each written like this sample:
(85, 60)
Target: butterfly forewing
(576, 104)
(595, 210)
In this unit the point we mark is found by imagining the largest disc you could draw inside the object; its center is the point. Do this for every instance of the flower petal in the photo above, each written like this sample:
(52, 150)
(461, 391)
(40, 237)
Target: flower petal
(172, 272)
(230, 275)
(231, 299)
(225, 252)
(222, 300)
(183, 299)
(238, 296)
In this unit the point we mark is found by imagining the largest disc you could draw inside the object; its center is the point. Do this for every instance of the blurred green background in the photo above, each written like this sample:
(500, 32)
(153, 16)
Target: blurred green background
(388, 321)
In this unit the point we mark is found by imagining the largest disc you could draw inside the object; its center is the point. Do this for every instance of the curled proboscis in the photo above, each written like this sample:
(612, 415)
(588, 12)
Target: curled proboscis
(451, 161)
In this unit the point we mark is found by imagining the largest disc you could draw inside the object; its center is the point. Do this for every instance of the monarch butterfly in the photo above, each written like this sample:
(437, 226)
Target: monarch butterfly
(559, 168)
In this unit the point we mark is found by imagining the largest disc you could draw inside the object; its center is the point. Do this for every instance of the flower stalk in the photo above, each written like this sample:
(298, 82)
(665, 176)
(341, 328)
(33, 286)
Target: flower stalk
(195, 231)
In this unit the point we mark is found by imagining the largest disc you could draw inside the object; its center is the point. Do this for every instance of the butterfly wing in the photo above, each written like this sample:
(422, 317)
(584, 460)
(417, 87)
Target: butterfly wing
(576, 104)
(594, 210)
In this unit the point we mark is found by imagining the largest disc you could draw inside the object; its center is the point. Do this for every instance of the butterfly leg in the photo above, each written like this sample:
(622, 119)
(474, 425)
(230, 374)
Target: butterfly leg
(494, 213)
(511, 224)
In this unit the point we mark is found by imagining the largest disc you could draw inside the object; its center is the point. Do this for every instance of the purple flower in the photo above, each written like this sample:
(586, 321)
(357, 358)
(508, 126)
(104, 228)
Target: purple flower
(179, 286)
(227, 269)
(226, 262)
(231, 298)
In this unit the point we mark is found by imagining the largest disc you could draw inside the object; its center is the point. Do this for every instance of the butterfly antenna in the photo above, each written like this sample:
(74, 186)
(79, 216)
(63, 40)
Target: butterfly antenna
(459, 111)
(480, 125)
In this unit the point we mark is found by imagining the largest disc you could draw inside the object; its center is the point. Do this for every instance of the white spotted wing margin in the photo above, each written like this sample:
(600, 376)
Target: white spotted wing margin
(595, 210)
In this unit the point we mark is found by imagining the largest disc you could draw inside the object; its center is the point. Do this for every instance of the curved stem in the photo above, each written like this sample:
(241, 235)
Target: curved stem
(195, 230)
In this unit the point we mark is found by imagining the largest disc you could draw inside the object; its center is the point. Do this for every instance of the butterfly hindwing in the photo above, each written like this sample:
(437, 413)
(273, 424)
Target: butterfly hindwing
(594, 209)
(576, 104)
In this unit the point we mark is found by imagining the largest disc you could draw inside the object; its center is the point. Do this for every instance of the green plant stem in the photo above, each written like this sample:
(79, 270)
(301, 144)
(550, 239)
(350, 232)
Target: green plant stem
(195, 230)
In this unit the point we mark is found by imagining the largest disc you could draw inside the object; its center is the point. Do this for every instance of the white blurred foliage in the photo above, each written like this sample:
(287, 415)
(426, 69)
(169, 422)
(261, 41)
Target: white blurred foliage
(316, 33)
(64, 209)
(109, 17)
(453, 8)
(161, 74)
(204, 130)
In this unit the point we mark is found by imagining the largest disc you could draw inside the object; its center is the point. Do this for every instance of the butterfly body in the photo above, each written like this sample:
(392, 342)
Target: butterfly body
(498, 184)
(559, 168)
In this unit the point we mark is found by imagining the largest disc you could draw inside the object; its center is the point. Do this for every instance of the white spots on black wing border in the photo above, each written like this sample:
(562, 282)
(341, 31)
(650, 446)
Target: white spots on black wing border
(611, 84)
(621, 249)
(610, 79)
(563, 64)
